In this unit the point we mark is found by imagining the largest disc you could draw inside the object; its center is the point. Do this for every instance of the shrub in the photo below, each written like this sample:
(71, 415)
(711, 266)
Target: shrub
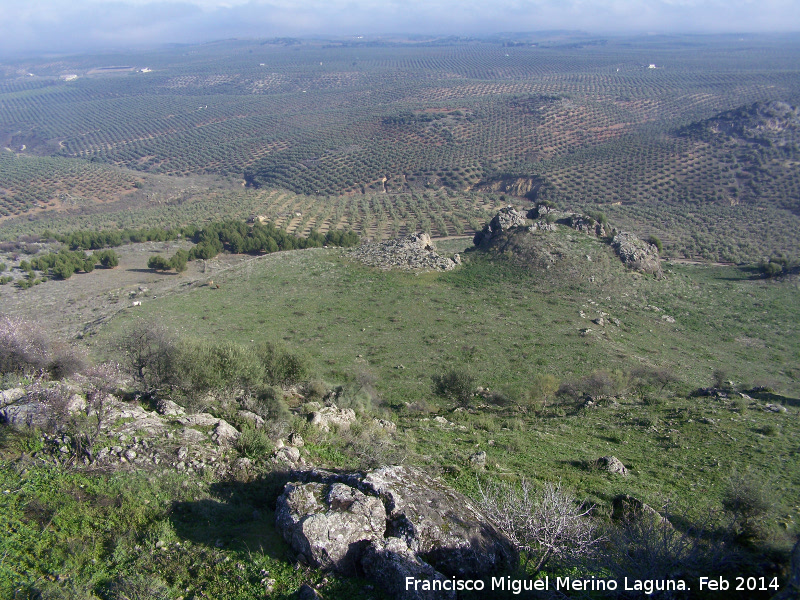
(653, 240)
(179, 261)
(107, 258)
(646, 546)
(279, 366)
(202, 366)
(253, 443)
(25, 349)
(148, 352)
(746, 499)
(542, 388)
(455, 385)
(269, 404)
(548, 526)
(139, 587)
(158, 263)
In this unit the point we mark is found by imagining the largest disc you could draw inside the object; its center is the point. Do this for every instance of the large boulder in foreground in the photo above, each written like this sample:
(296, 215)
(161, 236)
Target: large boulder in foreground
(326, 522)
(394, 522)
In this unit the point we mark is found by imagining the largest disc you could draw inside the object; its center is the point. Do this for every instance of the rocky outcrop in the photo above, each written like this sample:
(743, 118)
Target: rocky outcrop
(637, 254)
(138, 439)
(628, 508)
(506, 219)
(394, 522)
(412, 252)
(331, 416)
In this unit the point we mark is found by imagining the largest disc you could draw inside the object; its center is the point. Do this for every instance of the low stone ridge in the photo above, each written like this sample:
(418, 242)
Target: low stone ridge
(637, 254)
(136, 438)
(412, 252)
(392, 522)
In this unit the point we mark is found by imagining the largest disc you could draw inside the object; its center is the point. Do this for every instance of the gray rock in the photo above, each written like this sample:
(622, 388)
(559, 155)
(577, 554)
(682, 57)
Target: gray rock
(183, 453)
(628, 508)
(224, 433)
(384, 424)
(611, 464)
(288, 455)
(306, 592)
(296, 440)
(24, 414)
(334, 518)
(507, 218)
(478, 460)
(329, 416)
(252, 418)
(168, 408)
(412, 252)
(442, 526)
(199, 420)
(326, 521)
(389, 562)
(637, 254)
(776, 408)
(11, 395)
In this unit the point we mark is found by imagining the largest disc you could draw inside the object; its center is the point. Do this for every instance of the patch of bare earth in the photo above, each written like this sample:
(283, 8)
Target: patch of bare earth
(77, 306)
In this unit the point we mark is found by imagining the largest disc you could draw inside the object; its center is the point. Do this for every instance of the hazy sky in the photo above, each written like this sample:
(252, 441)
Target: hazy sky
(75, 25)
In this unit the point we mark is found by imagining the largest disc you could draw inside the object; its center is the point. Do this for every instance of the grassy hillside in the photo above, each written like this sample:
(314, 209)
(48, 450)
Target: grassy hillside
(384, 335)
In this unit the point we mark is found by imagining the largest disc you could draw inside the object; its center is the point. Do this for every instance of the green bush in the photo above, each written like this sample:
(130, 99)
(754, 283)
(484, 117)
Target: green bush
(107, 258)
(202, 366)
(279, 366)
(179, 261)
(269, 404)
(253, 443)
(158, 263)
(746, 499)
(653, 240)
(455, 385)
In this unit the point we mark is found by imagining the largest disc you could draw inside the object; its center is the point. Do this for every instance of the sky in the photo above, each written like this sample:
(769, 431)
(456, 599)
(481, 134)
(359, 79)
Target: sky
(87, 25)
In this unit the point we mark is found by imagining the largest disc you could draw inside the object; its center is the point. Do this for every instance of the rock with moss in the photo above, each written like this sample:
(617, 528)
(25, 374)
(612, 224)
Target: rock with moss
(333, 520)
(329, 522)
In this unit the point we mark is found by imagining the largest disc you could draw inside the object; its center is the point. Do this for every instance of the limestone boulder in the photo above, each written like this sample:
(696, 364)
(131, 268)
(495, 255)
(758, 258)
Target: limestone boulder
(443, 527)
(329, 523)
(389, 562)
(330, 416)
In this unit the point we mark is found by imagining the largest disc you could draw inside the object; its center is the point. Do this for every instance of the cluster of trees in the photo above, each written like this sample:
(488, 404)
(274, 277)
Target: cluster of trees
(64, 263)
(240, 238)
(178, 262)
(777, 266)
(109, 238)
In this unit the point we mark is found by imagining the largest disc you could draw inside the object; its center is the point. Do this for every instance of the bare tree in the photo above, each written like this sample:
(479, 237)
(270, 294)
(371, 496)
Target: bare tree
(550, 525)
